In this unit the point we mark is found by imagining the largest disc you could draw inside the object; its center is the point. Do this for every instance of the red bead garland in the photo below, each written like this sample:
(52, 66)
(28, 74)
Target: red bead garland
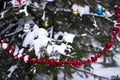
(53, 62)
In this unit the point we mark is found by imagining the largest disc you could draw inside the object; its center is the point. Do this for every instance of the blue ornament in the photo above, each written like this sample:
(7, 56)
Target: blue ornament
(99, 10)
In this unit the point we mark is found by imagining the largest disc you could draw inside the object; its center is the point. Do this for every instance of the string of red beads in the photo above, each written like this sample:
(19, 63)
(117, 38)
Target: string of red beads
(53, 62)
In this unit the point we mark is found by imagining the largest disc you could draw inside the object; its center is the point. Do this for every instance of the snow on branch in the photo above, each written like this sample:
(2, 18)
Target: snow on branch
(39, 41)
(11, 70)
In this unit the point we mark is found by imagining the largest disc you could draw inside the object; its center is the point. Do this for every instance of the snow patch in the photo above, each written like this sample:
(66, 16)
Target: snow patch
(81, 10)
(11, 70)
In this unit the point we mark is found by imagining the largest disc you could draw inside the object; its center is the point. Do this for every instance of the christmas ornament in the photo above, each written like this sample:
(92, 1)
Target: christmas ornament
(81, 10)
(75, 9)
(99, 10)
(45, 22)
(18, 3)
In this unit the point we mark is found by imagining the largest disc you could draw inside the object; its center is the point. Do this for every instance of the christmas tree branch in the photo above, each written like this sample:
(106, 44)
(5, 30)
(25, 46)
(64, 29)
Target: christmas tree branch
(13, 33)
(77, 69)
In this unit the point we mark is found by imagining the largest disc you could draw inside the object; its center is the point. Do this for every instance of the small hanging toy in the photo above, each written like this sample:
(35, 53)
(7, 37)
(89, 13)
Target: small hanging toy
(45, 22)
(99, 10)
(19, 3)
(75, 9)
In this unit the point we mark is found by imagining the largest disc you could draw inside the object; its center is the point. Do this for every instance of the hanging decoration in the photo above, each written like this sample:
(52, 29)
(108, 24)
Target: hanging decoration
(99, 10)
(81, 10)
(18, 3)
(45, 21)
(75, 9)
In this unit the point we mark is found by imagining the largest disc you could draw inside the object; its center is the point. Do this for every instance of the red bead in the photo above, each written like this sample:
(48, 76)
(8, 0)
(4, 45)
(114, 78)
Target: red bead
(58, 63)
(114, 33)
(108, 45)
(94, 59)
(29, 59)
(102, 52)
(111, 40)
(39, 61)
(34, 61)
(51, 62)
(99, 55)
(63, 62)
(22, 57)
(16, 55)
(116, 8)
(75, 63)
(84, 61)
(8, 48)
(69, 62)
(118, 18)
(44, 61)
(1, 41)
(80, 63)
(89, 61)
(117, 24)
(116, 29)
(12, 51)
(19, 1)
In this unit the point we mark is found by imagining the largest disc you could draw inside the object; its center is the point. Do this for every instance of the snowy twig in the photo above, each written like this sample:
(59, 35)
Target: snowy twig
(90, 73)
(11, 69)
(91, 14)
(24, 10)
(2, 14)
(88, 3)
(59, 9)
(103, 16)
(13, 33)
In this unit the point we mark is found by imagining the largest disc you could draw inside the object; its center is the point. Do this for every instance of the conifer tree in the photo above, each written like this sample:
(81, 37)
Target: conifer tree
(90, 21)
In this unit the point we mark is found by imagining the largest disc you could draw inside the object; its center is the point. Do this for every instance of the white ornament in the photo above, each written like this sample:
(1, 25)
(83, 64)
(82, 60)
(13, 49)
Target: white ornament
(80, 9)
(19, 55)
(4, 45)
(26, 58)
(15, 53)
(75, 6)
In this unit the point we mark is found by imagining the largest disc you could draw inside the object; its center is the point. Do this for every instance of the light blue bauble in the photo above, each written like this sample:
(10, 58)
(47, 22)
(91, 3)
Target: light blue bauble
(99, 11)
